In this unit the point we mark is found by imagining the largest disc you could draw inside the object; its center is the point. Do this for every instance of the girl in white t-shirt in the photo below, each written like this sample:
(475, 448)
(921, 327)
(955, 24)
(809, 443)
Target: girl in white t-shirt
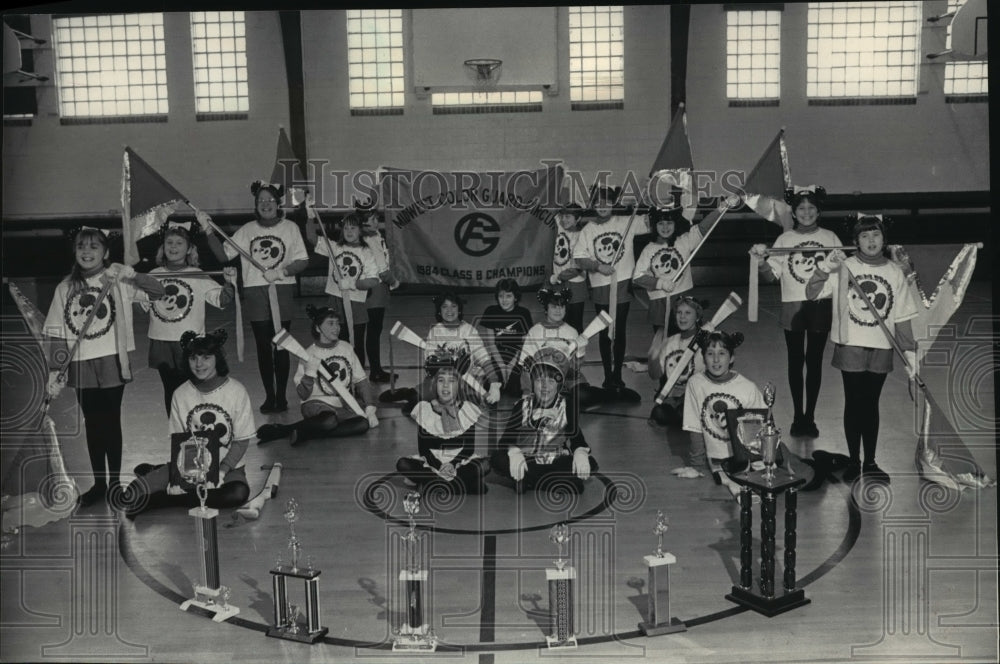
(566, 274)
(688, 316)
(95, 368)
(182, 306)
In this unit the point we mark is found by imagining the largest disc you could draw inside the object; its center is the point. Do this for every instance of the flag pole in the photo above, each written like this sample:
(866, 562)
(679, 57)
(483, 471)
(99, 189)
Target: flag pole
(345, 293)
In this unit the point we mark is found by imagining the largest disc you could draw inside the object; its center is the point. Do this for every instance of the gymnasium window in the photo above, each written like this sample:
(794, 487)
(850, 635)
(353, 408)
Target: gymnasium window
(219, 54)
(375, 61)
(494, 101)
(596, 58)
(753, 54)
(111, 67)
(863, 51)
(964, 78)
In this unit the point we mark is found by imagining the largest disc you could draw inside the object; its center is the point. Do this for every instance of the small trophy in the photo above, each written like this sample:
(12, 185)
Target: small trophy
(194, 463)
(770, 436)
(561, 581)
(415, 633)
(288, 616)
(658, 566)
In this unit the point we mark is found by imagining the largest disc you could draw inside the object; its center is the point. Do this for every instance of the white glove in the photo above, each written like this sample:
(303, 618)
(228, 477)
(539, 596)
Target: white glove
(554, 279)
(665, 284)
(518, 464)
(55, 384)
(204, 221)
(347, 283)
(174, 490)
(581, 463)
(494, 394)
(911, 363)
(272, 275)
(832, 261)
(759, 250)
(119, 271)
(312, 366)
(372, 417)
(229, 274)
(447, 471)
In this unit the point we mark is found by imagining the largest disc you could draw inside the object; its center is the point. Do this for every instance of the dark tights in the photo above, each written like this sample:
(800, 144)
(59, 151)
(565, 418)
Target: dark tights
(102, 420)
(172, 379)
(862, 390)
(574, 316)
(274, 364)
(613, 365)
(359, 340)
(323, 425)
(811, 354)
(373, 338)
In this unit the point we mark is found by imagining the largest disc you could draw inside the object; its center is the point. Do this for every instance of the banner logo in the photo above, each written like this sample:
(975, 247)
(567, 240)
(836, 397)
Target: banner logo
(477, 234)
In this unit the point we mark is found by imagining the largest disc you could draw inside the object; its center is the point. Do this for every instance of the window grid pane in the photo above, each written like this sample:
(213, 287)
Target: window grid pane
(964, 78)
(504, 97)
(218, 42)
(753, 53)
(597, 46)
(863, 49)
(375, 58)
(111, 65)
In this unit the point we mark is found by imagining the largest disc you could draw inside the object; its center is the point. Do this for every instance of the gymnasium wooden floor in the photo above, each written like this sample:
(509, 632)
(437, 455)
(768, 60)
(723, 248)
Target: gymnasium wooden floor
(905, 574)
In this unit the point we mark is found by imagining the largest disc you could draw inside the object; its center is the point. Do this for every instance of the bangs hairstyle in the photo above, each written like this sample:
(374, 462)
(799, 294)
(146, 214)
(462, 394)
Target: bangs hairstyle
(861, 222)
(448, 296)
(211, 343)
(276, 190)
(508, 286)
(728, 341)
(82, 234)
(352, 219)
(816, 197)
(676, 215)
(191, 258)
(319, 314)
(699, 306)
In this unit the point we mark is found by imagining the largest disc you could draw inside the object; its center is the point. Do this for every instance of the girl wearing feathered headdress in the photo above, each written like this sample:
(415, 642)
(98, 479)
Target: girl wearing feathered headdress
(95, 367)
(806, 322)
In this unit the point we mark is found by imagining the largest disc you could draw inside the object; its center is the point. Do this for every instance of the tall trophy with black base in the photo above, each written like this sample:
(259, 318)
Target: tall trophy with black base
(195, 461)
(561, 579)
(288, 618)
(658, 566)
(415, 634)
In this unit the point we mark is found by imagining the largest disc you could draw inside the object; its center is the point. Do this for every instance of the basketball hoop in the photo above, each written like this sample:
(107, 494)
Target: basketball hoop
(485, 72)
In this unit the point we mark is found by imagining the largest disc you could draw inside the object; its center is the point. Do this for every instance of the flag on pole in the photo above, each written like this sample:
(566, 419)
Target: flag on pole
(764, 189)
(941, 454)
(673, 163)
(147, 201)
(287, 169)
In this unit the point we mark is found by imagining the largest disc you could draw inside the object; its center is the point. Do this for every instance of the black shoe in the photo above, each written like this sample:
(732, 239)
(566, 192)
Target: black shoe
(874, 473)
(852, 472)
(93, 495)
(797, 428)
(809, 429)
(280, 406)
(142, 469)
(381, 376)
(267, 406)
(269, 432)
(717, 477)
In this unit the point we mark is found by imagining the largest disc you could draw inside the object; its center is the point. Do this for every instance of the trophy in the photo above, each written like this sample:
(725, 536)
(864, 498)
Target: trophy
(415, 633)
(561, 581)
(288, 617)
(770, 436)
(658, 566)
(194, 462)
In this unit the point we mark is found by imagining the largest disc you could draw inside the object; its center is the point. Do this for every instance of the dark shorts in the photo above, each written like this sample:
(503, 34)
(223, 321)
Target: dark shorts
(807, 316)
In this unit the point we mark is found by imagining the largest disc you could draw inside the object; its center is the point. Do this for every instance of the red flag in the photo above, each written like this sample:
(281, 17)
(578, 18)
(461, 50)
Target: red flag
(764, 189)
(287, 170)
(673, 164)
(941, 455)
(147, 201)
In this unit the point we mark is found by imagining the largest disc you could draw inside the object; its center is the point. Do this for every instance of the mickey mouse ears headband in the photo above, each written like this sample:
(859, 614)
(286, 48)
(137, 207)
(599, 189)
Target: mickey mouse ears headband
(278, 190)
(730, 341)
(795, 194)
(108, 235)
(547, 296)
(857, 222)
(438, 300)
(319, 314)
(193, 343)
(699, 306)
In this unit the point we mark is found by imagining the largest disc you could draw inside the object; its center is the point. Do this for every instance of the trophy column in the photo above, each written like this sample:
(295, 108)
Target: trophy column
(209, 591)
(288, 616)
(561, 580)
(658, 566)
(415, 634)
